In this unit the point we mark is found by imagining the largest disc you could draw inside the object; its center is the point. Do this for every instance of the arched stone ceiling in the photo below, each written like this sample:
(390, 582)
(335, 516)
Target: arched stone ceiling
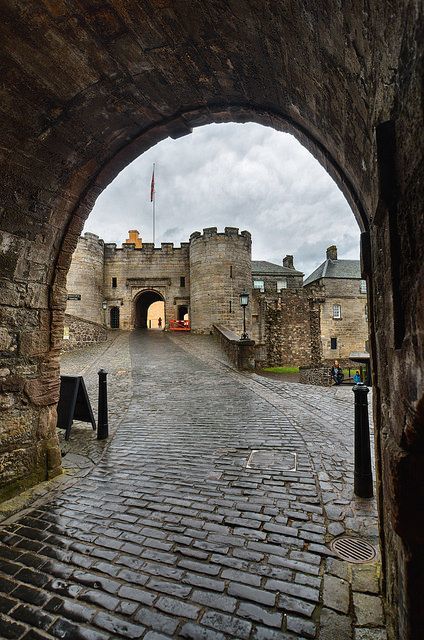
(84, 79)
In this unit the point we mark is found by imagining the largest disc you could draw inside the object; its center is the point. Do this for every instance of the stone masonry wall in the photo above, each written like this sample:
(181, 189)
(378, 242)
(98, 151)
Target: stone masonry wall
(148, 268)
(288, 329)
(319, 376)
(85, 278)
(82, 333)
(241, 353)
(220, 269)
(351, 330)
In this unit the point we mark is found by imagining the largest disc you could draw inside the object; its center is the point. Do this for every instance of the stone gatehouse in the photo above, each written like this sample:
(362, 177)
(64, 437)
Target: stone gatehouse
(201, 280)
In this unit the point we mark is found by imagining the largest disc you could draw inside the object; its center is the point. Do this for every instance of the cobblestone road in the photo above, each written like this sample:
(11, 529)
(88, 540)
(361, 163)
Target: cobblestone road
(177, 531)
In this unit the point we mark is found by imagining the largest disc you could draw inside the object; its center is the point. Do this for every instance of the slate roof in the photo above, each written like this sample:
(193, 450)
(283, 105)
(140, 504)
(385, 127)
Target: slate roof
(336, 269)
(264, 268)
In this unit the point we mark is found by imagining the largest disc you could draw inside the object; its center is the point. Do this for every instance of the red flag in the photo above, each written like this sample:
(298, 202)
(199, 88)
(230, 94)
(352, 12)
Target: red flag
(152, 185)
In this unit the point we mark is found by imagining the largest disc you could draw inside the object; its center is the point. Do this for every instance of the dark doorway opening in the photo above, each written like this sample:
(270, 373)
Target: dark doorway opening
(142, 304)
(114, 317)
(183, 312)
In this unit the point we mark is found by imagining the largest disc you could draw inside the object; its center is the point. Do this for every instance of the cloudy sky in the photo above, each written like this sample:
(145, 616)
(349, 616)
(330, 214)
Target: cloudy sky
(236, 175)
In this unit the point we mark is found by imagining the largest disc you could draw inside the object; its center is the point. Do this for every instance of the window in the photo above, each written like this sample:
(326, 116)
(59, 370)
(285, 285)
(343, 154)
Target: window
(231, 271)
(282, 284)
(230, 307)
(333, 343)
(182, 281)
(259, 284)
(337, 312)
(366, 312)
(114, 283)
(363, 286)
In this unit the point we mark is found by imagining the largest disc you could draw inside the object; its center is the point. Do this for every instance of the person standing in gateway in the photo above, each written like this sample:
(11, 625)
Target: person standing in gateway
(159, 322)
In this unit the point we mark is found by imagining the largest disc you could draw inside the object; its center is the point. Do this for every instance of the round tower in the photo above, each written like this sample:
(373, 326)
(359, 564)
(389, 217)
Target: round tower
(84, 283)
(220, 269)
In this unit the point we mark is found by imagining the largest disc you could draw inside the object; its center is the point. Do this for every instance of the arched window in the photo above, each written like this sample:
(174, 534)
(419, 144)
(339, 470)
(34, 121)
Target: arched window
(114, 317)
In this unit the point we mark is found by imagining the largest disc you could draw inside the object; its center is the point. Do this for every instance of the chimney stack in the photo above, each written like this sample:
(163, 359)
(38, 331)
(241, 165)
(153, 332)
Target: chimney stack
(133, 238)
(332, 252)
(288, 262)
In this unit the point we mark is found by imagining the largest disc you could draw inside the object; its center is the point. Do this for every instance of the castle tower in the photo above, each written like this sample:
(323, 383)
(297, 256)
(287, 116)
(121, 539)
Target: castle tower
(85, 280)
(220, 269)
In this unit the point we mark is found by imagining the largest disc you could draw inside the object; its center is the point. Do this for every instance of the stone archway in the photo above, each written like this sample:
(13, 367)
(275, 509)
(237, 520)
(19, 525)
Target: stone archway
(142, 302)
(87, 87)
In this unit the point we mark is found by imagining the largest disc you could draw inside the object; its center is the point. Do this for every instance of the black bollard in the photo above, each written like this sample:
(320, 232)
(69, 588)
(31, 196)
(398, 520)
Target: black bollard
(363, 473)
(102, 420)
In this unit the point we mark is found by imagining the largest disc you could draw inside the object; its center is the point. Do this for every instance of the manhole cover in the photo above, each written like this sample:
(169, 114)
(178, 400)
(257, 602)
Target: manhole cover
(272, 460)
(353, 549)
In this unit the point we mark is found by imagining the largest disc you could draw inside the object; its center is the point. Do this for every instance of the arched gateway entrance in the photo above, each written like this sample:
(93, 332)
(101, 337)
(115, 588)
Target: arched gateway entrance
(142, 303)
(89, 86)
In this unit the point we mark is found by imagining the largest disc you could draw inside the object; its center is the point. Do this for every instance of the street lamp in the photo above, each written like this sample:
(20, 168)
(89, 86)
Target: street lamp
(244, 301)
(104, 305)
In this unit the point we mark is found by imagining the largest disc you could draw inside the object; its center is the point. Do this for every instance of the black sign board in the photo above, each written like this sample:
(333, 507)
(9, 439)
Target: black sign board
(74, 296)
(74, 404)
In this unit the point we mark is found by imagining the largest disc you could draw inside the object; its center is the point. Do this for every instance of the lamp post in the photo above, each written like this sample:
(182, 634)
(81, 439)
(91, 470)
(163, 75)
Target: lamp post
(244, 301)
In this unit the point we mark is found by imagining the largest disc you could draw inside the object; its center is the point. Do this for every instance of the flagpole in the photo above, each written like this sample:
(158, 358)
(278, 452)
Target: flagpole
(153, 203)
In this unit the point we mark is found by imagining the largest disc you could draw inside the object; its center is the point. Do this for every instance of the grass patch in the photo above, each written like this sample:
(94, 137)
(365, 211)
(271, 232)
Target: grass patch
(281, 369)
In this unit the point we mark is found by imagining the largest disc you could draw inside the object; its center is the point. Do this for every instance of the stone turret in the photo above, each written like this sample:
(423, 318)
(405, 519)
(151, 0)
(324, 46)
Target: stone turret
(220, 269)
(85, 279)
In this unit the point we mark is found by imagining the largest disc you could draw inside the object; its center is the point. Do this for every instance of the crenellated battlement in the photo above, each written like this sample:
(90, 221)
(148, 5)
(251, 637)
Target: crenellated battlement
(90, 238)
(148, 248)
(212, 232)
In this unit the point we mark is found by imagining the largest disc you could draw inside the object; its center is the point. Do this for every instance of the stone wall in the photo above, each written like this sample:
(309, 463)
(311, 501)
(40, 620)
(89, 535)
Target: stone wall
(85, 279)
(271, 280)
(288, 331)
(351, 330)
(81, 333)
(220, 269)
(320, 376)
(240, 352)
(145, 269)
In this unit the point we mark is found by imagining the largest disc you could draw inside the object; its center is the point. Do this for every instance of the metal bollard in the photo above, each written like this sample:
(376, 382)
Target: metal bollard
(102, 418)
(363, 473)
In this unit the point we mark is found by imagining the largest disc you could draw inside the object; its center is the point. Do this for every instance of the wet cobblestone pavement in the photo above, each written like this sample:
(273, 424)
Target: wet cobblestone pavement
(177, 531)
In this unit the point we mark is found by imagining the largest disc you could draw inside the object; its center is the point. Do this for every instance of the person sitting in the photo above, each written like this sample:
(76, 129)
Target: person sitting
(337, 373)
(357, 378)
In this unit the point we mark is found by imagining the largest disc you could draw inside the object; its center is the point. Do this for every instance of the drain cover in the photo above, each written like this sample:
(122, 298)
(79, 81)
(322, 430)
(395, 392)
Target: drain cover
(353, 549)
(272, 460)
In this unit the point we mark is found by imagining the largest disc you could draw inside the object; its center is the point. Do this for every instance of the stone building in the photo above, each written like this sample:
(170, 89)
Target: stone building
(338, 288)
(114, 287)
(283, 322)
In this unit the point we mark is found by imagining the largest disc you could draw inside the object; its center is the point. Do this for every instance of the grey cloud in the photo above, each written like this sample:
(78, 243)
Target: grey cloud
(232, 175)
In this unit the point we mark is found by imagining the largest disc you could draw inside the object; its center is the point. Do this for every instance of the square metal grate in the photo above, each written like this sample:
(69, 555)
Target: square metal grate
(272, 460)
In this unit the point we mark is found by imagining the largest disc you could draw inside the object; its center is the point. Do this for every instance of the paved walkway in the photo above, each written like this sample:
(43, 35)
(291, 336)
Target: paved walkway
(175, 530)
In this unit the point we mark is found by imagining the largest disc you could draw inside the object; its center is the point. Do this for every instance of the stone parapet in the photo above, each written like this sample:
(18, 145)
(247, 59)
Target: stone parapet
(240, 352)
(112, 249)
(81, 333)
(320, 376)
(210, 232)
